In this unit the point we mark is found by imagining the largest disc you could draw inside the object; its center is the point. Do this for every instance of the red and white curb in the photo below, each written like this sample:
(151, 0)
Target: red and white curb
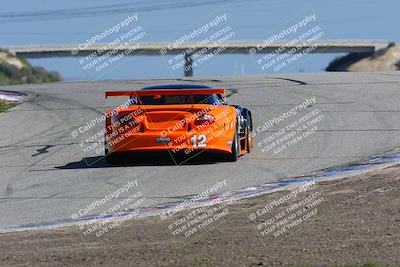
(12, 96)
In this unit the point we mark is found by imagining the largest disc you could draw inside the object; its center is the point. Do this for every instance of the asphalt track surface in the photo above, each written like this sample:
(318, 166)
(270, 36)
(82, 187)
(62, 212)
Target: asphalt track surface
(45, 175)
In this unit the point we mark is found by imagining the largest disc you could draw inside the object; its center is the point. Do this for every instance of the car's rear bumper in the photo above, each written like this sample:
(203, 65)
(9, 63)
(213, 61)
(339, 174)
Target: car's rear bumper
(176, 142)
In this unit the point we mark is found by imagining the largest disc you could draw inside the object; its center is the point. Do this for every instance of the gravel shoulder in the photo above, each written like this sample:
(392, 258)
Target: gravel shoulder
(357, 223)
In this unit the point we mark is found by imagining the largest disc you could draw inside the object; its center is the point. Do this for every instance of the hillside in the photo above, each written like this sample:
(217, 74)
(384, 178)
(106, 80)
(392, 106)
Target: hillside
(387, 59)
(14, 70)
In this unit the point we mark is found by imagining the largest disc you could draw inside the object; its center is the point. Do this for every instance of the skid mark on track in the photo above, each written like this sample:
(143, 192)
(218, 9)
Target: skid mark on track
(290, 80)
(42, 150)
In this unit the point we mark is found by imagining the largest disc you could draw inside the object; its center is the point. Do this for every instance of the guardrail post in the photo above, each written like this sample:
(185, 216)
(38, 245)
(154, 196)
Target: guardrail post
(188, 69)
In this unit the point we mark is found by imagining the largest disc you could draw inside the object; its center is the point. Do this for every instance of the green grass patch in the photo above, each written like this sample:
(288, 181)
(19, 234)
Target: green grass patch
(3, 77)
(4, 106)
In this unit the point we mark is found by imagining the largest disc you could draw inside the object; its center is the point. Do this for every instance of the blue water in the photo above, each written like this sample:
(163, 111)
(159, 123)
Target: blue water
(68, 22)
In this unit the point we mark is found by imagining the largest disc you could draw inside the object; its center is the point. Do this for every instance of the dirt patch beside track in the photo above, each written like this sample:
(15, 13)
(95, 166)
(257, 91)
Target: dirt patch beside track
(360, 224)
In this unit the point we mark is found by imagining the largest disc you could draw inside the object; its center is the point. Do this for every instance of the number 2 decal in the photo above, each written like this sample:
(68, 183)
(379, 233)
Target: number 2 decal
(199, 141)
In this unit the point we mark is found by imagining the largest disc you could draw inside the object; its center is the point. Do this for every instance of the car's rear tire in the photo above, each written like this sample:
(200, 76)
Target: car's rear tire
(249, 129)
(235, 146)
(111, 158)
(248, 140)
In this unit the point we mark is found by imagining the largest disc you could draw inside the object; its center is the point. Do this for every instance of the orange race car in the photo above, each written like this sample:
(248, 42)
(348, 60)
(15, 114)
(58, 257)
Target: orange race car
(184, 119)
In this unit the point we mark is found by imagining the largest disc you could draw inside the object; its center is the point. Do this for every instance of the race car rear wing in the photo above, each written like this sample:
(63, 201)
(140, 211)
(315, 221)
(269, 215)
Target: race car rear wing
(166, 92)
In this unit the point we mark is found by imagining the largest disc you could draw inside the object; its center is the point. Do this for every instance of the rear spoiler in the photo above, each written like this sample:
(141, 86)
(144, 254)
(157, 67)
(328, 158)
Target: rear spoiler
(166, 92)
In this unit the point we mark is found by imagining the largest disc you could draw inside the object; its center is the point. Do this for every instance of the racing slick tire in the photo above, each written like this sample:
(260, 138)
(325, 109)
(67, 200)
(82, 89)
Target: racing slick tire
(111, 158)
(248, 140)
(235, 146)
(249, 129)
